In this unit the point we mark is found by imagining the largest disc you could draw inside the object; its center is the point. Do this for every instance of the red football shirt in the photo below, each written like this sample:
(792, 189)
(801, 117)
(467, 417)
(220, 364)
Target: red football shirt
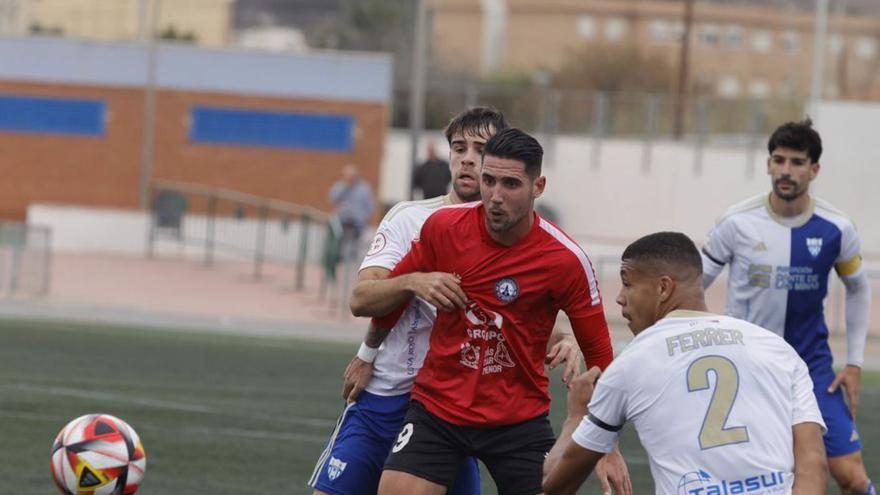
(485, 366)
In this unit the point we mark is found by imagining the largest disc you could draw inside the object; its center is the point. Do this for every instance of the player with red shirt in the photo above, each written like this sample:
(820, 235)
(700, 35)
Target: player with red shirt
(482, 390)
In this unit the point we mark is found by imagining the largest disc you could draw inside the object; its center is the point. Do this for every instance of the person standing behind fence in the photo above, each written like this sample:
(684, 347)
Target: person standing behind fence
(354, 205)
(432, 176)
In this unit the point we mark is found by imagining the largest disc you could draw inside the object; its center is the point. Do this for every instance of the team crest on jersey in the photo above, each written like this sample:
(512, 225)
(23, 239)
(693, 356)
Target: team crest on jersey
(506, 290)
(335, 468)
(377, 245)
(814, 245)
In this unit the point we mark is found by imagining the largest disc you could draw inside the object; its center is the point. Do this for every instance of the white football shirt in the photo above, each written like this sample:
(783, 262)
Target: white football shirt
(713, 400)
(779, 270)
(401, 355)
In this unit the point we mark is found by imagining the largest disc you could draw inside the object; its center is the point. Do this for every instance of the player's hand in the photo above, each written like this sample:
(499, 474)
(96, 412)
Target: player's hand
(612, 473)
(355, 378)
(580, 390)
(567, 351)
(851, 378)
(441, 290)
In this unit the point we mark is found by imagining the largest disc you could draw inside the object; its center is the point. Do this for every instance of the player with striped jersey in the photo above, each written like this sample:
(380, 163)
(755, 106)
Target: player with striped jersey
(781, 248)
(720, 405)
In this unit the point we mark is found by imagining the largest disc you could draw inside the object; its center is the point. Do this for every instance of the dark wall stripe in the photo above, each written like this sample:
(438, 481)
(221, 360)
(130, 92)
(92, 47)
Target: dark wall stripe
(52, 115)
(234, 127)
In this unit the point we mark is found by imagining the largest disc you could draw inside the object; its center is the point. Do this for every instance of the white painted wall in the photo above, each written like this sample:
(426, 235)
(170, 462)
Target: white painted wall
(619, 201)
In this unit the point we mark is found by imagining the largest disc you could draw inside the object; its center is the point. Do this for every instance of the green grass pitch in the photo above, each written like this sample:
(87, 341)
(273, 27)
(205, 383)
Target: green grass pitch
(218, 414)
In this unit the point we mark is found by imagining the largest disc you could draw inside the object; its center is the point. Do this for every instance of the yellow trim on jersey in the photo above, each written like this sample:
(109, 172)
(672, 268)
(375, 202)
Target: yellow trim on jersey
(780, 219)
(687, 313)
(849, 267)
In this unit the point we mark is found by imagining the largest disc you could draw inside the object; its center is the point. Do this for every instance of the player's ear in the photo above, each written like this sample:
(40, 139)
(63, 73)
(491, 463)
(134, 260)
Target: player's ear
(539, 185)
(665, 287)
(814, 170)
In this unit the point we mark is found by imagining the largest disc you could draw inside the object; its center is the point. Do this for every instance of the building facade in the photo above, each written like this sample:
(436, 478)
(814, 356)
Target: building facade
(736, 50)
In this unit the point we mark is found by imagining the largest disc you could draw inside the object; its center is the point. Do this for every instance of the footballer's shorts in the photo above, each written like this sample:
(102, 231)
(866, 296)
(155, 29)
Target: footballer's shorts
(351, 463)
(433, 449)
(841, 437)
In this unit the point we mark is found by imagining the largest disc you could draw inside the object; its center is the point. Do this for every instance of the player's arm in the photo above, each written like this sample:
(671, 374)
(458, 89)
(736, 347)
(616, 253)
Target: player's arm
(810, 462)
(717, 251)
(379, 294)
(585, 445)
(593, 337)
(857, 313)
(563, 348)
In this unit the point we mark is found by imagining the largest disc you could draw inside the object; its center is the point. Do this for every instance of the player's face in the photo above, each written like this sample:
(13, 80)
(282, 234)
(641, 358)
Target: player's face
(638, 297)
(508, 193)
(465, 152)
(790, 172)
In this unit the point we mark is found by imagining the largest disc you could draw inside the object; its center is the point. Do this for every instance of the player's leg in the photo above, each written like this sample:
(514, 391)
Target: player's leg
(849, 472)
(425, 457)
(467, 480)
(514, 455)
(842, 442)
(353, 459)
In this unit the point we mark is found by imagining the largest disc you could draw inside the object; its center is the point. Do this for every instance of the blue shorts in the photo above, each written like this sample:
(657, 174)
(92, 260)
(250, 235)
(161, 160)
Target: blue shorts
(842, 437)
(352, 461)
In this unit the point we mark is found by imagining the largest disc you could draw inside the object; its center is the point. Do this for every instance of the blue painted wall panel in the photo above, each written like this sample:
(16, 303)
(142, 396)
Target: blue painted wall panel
(234, 127)
(52, 115)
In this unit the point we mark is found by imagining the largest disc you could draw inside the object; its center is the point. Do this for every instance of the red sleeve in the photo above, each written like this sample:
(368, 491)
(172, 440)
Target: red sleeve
(419, 259)
(594, 339)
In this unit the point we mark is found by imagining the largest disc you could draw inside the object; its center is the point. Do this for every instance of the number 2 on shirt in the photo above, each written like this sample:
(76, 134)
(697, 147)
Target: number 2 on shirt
(713, 433)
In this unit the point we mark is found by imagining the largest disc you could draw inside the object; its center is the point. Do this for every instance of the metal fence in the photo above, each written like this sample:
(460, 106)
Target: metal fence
(25, 259)
(221, 222)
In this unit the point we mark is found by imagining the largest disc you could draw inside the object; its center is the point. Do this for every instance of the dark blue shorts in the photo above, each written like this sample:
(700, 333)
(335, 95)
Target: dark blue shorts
(842, 437)
(352, 461)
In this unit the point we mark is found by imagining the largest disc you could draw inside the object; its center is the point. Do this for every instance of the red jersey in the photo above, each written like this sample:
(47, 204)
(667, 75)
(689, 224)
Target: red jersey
(485, 366)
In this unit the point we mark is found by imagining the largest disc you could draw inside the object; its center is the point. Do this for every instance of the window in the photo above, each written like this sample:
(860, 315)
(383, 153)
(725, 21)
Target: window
(866, 47)
(586, 26)
(759, 88)
(790, 41)
(762, 41)
(710, 35)
(734, 37)
(615, 28)
(660, 31)
(728, 86)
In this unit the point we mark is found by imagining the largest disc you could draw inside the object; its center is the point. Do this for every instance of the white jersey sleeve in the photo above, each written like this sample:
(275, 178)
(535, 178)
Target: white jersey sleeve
(606, 414)
(806, 409)
(849, 261)
(718, 250)
(393, 239)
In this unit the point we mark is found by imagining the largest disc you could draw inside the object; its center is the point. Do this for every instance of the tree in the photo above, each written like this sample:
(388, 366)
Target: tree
(614, 68)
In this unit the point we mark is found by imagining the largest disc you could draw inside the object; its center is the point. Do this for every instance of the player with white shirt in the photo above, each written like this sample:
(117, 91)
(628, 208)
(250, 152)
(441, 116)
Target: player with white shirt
(379, 379)
(720, 405)
(781, 249)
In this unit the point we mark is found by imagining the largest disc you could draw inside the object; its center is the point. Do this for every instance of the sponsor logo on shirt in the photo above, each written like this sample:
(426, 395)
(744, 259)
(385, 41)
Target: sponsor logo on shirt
(760, 246)
(814, 245)
(506, 290)
(335, 468)
(377, 245)
(796, 278)
(486, 349)
(700, 482)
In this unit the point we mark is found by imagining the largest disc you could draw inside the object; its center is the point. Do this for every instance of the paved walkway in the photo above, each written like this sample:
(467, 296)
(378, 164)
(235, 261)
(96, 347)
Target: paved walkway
(184, 294)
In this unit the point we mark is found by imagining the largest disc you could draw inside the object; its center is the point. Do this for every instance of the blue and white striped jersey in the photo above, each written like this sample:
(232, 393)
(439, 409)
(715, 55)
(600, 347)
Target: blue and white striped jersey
(779, 269)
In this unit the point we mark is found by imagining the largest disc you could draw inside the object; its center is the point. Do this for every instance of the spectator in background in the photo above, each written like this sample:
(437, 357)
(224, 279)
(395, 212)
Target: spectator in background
(432, 176)
(354, 205)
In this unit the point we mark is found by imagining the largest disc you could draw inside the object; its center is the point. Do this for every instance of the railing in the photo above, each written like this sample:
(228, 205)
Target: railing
(25, 259)
(235, 224)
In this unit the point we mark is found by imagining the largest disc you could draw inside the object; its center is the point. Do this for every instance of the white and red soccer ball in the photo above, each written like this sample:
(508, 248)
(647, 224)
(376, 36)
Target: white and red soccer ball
(98, 454)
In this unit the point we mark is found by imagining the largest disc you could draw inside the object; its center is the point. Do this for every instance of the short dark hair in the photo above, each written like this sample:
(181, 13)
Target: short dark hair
(798, 136)
(517, 145)
(673, 248)
(480, 121)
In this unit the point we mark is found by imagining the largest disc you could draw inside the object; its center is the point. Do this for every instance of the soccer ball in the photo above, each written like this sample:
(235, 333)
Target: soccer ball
(98, 454)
